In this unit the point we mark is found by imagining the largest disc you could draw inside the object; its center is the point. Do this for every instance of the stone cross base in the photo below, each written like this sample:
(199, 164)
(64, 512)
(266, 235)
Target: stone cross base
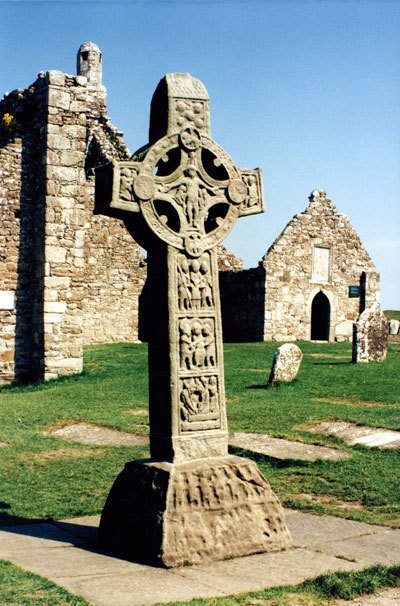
(209, 509)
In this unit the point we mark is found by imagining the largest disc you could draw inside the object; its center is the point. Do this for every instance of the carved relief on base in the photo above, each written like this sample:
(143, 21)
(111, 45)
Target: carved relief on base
(225, 499)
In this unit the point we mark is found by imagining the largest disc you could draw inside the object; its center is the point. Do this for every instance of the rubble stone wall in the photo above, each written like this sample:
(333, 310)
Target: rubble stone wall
(10, 187)
(242, 304)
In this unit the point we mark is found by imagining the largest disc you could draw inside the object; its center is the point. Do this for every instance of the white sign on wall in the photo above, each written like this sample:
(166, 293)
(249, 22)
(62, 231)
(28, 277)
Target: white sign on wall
(321, 270)
(7, 299)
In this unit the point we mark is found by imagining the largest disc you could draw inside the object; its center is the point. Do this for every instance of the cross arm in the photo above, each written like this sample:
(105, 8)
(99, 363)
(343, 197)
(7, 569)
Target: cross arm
(114, 188)
(253, 202)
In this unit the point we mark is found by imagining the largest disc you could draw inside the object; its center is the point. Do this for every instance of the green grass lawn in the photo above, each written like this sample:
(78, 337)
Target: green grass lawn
(45, 477)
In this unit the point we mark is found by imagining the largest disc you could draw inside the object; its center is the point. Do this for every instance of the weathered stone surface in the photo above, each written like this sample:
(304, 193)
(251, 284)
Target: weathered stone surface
(286, 363)
(102, 436)
(394, 326)
(208, 509)
(198, 503)
(360, 434)
(285, 449)
(370, 337)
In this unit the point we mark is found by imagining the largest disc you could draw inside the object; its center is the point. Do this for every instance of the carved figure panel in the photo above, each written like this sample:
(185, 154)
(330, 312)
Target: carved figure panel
(197, 344)
(194, 283)
(199, 403)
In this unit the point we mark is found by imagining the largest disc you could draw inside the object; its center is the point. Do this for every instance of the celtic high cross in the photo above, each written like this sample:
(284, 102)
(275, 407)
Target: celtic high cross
(179, 196)
(184, 194)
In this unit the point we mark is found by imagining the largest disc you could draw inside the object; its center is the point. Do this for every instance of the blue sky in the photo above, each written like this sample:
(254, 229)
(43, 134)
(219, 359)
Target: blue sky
(308, 91)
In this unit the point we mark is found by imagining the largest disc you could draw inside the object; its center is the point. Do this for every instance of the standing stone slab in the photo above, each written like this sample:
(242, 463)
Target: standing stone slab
(179, 197)
(370, 336)
(286, 363)
(394, 326)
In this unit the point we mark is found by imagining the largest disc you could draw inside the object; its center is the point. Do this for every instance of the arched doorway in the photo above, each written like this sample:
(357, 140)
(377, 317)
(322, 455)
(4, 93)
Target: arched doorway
(320, 317)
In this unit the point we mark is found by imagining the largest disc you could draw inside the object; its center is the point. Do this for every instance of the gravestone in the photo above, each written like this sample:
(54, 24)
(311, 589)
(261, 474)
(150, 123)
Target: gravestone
(286, 363)
(394, 326)
(179, 196)
(370, 336)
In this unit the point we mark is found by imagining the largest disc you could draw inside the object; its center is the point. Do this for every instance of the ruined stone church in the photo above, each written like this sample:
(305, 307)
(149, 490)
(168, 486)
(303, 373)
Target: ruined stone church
(312, 284)
(70, 277)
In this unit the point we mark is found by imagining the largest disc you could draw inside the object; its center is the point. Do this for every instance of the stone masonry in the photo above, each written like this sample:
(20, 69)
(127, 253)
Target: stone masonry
(64, 276)
(301, 288)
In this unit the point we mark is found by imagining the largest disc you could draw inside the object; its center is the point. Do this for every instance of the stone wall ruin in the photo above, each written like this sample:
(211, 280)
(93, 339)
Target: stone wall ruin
(68, 277)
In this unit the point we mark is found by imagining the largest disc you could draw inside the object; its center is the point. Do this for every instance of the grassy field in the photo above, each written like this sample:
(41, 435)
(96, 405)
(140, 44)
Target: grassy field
(43, 477)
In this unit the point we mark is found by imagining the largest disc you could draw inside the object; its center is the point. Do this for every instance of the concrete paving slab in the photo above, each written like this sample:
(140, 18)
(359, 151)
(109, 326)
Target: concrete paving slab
(33, 536)
(285, 449)
(58, 551)
(360, 434)
(84, 528)
(259, 571)
(310, 530)
(389, 597)
(71, 562)
(378, 548)
(140, 588)
(96, 435)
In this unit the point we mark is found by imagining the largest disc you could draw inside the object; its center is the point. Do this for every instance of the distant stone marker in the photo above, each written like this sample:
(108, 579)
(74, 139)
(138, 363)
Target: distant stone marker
(370, 336)
(286, 363)
(179, 197)
(394, 326)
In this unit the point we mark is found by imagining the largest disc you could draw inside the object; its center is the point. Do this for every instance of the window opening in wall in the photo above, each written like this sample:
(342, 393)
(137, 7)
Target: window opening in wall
(320, 317)
(85, 56)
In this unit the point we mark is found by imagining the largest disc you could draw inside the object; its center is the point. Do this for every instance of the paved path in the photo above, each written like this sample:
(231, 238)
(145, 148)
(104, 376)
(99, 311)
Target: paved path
(66, 553)
(388, 597)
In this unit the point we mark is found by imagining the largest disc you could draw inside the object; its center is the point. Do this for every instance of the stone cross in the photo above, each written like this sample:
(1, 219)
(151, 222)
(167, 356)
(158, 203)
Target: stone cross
(179, 197)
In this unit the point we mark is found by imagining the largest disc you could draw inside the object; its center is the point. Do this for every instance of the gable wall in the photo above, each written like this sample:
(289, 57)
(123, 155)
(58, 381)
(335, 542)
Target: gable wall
(290, 287)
